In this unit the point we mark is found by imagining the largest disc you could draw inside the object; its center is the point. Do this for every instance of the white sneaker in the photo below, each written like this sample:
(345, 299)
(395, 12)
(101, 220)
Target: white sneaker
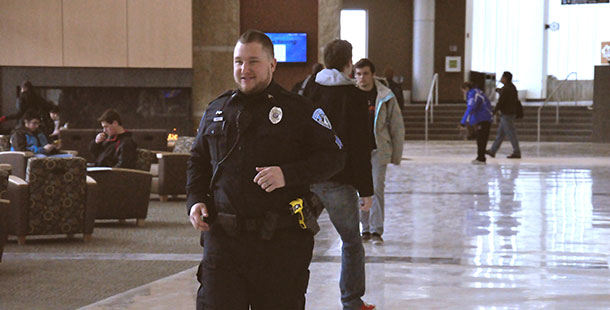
(477, 162)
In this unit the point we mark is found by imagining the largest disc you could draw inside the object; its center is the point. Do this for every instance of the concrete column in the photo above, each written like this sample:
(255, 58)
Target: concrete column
(215, 31)
(423, 48)
(329, 23)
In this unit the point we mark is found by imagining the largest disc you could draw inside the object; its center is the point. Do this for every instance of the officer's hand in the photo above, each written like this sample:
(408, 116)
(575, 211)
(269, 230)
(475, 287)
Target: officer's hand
(269, 178)
(198, 210)
(366, 203)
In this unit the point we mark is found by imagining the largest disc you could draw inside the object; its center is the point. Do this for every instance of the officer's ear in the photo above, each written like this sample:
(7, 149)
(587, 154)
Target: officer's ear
(273, 64)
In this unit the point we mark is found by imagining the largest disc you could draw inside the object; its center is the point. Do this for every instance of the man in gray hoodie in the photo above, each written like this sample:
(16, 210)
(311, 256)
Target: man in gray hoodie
(385, 121)
(345, 105)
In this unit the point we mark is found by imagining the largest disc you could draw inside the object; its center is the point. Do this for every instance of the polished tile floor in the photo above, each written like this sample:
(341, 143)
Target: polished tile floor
(513, 234)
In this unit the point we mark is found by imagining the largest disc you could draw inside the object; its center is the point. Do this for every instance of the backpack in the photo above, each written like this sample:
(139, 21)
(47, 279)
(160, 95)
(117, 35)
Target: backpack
(519, 114)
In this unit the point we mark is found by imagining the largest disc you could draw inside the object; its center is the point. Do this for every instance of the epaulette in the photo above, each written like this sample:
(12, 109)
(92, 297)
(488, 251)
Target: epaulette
(289, 94)
(223, 97)
(225, 94)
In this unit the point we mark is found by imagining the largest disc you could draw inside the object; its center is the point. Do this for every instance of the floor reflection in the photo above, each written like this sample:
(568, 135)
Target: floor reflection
(527, 234)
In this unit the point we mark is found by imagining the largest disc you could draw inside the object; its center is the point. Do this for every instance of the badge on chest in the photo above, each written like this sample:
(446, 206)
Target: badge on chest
(275, 115)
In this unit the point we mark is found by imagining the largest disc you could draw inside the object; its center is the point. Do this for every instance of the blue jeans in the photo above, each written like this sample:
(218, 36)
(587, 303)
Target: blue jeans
(372, 221)
(54, 156)
(341, 202)
(506, 128)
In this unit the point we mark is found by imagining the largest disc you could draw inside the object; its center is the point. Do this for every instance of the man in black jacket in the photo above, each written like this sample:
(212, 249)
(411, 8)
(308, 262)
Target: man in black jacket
(507, 105)
(114, 147)
(257, 149)
(347, 109)
(30, 100)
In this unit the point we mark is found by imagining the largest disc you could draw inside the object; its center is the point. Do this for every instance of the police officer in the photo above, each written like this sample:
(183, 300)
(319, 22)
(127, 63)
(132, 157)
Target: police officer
(257, 149)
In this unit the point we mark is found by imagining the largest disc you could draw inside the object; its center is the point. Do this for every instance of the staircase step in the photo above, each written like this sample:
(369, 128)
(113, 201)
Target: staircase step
(575, 123)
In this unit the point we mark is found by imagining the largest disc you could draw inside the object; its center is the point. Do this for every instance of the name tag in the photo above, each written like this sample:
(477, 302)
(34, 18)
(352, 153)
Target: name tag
(219, 119)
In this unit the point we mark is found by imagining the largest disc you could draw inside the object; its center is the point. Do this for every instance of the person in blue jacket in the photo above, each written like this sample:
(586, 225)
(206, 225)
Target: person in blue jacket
(28, 137)
(478, 114)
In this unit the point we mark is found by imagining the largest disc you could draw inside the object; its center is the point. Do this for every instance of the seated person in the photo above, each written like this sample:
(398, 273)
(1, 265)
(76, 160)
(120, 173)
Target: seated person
(27, 137)
(114, 147)
(54, 115)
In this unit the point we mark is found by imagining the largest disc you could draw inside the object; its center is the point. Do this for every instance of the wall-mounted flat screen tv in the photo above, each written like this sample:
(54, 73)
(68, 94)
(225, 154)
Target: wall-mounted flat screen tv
(289, 46)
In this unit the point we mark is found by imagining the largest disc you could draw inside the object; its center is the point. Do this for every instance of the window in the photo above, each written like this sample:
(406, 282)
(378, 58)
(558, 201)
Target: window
(508, 36)
(354, 28)
(576, 45)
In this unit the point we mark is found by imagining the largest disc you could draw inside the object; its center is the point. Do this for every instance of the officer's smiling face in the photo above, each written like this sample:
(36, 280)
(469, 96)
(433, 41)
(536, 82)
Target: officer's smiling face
(252, 67)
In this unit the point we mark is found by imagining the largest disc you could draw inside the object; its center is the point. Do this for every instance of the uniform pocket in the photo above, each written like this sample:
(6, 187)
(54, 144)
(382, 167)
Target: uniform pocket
(216, 138)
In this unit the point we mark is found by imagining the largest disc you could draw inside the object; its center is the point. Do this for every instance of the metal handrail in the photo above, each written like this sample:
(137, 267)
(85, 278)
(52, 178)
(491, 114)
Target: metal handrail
(429, 105)
(548, 98)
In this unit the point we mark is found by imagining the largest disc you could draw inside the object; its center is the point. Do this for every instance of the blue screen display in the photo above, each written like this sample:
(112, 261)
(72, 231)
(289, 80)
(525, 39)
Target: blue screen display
(289, 47)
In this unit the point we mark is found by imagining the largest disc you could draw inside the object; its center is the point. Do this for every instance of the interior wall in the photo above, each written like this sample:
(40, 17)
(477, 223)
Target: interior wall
(390, 35)
(31, 36)
(215, 30)
(94, 40)
(93, 33)
(449, 34)
(284, 16)
(159, 42)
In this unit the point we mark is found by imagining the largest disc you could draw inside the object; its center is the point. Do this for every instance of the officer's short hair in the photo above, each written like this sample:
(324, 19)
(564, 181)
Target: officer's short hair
(365, 62)
(337, 54)
(508, 76)
(252, 35)
(109, 116)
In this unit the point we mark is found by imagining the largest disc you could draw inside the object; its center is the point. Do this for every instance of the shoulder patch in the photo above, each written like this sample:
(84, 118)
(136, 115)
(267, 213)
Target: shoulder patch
(321, 118)
(338, 142)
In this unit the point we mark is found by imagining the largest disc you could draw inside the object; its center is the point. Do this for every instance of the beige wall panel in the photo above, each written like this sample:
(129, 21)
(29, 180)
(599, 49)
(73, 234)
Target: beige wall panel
(95, 33)
(159, 33)
(30, 33)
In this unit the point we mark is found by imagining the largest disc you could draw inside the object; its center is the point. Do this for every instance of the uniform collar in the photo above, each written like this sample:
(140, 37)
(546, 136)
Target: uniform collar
(266, 93)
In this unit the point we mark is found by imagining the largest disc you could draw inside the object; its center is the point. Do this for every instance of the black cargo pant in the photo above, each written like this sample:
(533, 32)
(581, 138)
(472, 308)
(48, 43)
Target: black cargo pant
(482, 138)
(243, 271)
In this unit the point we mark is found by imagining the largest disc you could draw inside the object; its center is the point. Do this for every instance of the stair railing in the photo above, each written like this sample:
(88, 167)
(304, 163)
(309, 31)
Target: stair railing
(548, 98)
(432, 96)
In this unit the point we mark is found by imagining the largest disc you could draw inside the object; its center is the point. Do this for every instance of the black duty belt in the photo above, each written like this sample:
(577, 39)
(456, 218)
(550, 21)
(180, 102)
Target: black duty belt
(265, 225)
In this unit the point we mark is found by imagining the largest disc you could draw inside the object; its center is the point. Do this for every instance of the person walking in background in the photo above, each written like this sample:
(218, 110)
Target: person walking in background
(346, 107)
(479, 114)
(388, 73)
(29, 99)
(507, 105)
(304, 87)
(387, 125)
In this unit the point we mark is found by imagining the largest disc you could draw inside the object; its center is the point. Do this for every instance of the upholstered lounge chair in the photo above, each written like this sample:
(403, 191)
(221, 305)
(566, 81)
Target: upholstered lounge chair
(169, 174)
(5, 143)
(4, 205)
(56, 197)
(123, 193)
(19, 160)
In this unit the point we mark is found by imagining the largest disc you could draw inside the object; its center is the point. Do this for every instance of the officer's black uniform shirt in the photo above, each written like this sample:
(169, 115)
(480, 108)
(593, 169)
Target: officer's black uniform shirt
(238, 131)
